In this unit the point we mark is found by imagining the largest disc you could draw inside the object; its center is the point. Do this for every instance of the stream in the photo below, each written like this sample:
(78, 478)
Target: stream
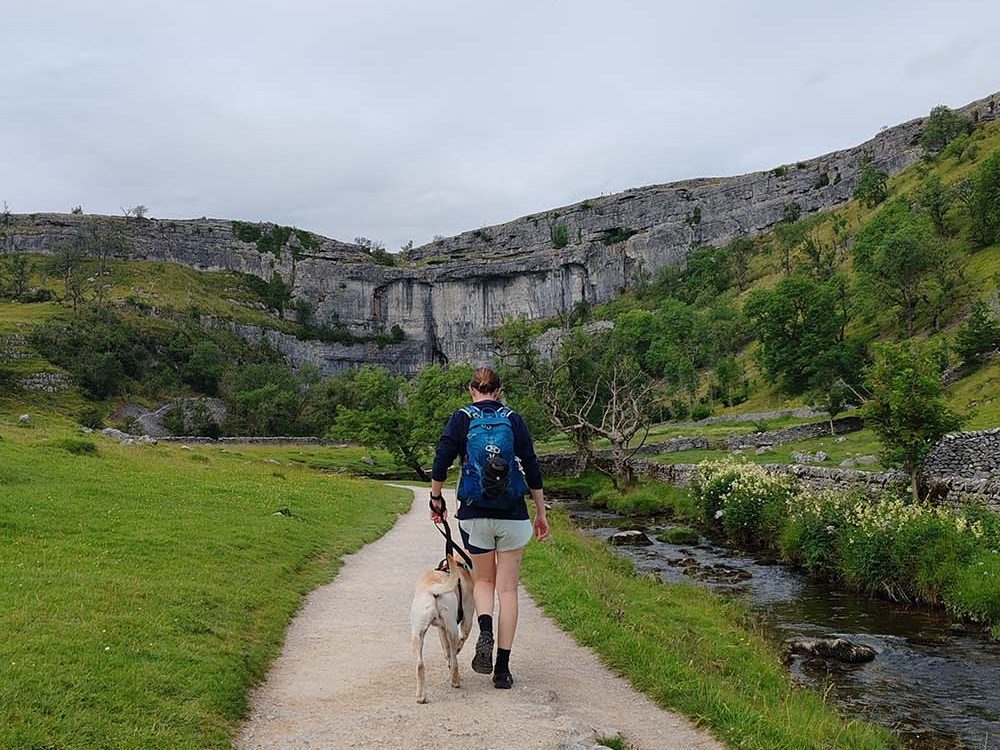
(935, 681)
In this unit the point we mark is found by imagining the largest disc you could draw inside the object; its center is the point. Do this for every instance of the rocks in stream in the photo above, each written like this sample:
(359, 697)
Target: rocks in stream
(832, 648)
(718, 573)
(629, 538)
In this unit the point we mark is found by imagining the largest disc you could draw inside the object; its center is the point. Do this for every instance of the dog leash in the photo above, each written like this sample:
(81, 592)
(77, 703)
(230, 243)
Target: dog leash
(449, 544)
(449, 547)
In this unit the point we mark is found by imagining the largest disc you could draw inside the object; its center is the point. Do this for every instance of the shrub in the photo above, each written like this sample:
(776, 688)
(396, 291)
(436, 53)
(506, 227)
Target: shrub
(810, 533)
(902, 549)
(872, 187)
(559, 235)
(76, 446)
(92, 417)
(745, 500)
(700, 411)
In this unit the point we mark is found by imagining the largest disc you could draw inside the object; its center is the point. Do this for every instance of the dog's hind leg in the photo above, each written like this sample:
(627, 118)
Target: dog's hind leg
(418, 651)
(454, 645)
(445, 646)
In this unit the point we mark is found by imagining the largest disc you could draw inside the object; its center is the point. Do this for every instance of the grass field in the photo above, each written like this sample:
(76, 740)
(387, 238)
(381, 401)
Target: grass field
(685, 648)
(144, 589)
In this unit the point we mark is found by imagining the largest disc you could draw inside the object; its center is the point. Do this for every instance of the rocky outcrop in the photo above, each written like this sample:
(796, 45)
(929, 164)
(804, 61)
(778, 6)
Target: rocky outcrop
(449, 293)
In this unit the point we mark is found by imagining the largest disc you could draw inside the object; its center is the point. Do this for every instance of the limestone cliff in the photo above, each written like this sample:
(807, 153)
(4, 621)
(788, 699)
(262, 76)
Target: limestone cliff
(448, 294)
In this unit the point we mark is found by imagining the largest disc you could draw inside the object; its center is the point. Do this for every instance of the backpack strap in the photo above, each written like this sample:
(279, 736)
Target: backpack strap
(472, 412)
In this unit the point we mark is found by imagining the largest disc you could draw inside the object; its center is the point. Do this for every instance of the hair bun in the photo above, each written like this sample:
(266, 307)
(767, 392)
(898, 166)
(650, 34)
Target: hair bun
(485, 380)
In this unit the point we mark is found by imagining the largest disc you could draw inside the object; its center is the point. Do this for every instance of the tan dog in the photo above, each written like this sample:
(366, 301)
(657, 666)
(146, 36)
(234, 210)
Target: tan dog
(436, 602)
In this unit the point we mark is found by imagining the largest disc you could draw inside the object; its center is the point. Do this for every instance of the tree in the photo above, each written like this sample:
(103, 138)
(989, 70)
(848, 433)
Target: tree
(984, 202)
(615, 402)
(402, 418)
(15, 273)
(800, 327)
(376, 249)
(978, 335)
(832, 398)
(942, 126)
(895, 255)
(935, 199)
(872, 186)
(741, 252)
(138, 211)
(69, 262)
(204, 367)
(906, 409)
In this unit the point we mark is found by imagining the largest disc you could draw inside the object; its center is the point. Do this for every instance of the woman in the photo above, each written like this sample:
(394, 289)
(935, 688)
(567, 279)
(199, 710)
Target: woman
(498, 465)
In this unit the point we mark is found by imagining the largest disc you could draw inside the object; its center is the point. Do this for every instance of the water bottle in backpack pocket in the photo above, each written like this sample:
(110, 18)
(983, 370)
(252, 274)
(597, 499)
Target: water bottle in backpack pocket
(492, 478)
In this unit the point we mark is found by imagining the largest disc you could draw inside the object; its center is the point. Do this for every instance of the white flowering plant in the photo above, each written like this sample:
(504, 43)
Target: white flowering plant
(745, 500)
(811, 532)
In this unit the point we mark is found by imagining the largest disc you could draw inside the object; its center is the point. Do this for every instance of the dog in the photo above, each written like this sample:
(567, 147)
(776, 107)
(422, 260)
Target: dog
(439, 599)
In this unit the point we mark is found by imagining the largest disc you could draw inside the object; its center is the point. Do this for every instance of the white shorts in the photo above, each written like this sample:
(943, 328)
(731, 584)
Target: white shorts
(501, 534)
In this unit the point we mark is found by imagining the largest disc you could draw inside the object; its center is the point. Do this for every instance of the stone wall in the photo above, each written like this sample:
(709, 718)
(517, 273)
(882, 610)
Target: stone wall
(794, 433)
(947, 489)
(967, 455)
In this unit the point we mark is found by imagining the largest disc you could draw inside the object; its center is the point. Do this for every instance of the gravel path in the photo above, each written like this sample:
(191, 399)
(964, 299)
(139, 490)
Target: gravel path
(345, 678)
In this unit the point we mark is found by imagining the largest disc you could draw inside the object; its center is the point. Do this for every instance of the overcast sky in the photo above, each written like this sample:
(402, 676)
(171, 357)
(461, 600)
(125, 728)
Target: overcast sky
(400, 119)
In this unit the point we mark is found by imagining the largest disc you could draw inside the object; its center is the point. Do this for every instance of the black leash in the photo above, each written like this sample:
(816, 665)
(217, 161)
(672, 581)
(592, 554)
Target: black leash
(450, 549)
(449, 545)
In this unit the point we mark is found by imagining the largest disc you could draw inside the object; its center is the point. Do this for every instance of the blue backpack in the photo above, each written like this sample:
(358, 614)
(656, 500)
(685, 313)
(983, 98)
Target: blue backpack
(492, 478)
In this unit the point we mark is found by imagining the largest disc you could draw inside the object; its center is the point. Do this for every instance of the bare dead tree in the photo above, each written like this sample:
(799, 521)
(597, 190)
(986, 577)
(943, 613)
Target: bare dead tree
(616, 406)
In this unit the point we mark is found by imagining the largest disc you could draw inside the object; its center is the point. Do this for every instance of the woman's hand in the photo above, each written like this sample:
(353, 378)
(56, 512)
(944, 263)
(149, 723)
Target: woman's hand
(439, 513)
(541, 526)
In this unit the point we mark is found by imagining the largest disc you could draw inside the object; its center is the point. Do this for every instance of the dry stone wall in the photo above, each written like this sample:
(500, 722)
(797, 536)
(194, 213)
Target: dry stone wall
(794, 433)
(973, 456)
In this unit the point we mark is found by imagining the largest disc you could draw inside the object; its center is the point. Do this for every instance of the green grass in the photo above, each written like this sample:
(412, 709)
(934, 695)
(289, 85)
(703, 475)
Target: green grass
(978, 394)
(684, 647)
(145, 589)
(680, 535)
(862, 442)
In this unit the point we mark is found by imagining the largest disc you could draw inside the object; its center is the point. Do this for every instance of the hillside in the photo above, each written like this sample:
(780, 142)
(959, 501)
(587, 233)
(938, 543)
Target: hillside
(447, 295)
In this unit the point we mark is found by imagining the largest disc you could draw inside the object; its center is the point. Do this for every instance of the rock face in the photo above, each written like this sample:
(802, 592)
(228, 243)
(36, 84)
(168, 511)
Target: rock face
(449, 293)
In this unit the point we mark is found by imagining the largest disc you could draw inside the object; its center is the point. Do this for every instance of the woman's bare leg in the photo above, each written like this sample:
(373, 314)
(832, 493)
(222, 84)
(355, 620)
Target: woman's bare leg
(484, 574)
(508, 573)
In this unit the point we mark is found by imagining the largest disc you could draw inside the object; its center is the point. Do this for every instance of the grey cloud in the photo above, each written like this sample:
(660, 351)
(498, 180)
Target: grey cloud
(402, 120)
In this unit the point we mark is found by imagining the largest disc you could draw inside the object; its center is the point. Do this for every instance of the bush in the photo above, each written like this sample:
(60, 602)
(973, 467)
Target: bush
(809, 536)
(905, 549)
(700, 411)
(76, 446)
(92, 417)
(745, 500)
(560, 236)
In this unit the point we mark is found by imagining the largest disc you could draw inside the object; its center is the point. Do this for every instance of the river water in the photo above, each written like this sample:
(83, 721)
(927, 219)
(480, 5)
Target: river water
(935, 681)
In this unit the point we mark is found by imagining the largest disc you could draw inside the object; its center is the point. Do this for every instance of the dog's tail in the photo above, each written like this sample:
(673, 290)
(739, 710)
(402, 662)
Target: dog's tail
(451, 582)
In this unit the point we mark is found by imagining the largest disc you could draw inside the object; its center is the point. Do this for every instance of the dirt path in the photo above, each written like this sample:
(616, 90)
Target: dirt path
(345, 678)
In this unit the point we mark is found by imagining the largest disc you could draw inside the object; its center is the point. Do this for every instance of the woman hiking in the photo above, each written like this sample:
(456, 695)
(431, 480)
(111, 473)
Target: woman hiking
(499, 467)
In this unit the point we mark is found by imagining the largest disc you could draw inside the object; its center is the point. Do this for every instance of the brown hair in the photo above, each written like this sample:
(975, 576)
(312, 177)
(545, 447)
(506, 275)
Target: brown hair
(485, 380)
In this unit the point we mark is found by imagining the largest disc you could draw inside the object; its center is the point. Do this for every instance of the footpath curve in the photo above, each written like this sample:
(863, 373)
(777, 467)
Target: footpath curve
(346, 679)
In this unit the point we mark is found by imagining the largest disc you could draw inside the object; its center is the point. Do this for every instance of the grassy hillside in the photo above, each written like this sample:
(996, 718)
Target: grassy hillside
(145, 589)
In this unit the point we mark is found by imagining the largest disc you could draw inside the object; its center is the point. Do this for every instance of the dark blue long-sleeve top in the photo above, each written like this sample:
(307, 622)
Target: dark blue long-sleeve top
(453, 444)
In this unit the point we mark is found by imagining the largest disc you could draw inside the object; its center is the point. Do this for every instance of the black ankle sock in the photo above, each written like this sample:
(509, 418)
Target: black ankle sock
(486, 624)
(502, 663)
